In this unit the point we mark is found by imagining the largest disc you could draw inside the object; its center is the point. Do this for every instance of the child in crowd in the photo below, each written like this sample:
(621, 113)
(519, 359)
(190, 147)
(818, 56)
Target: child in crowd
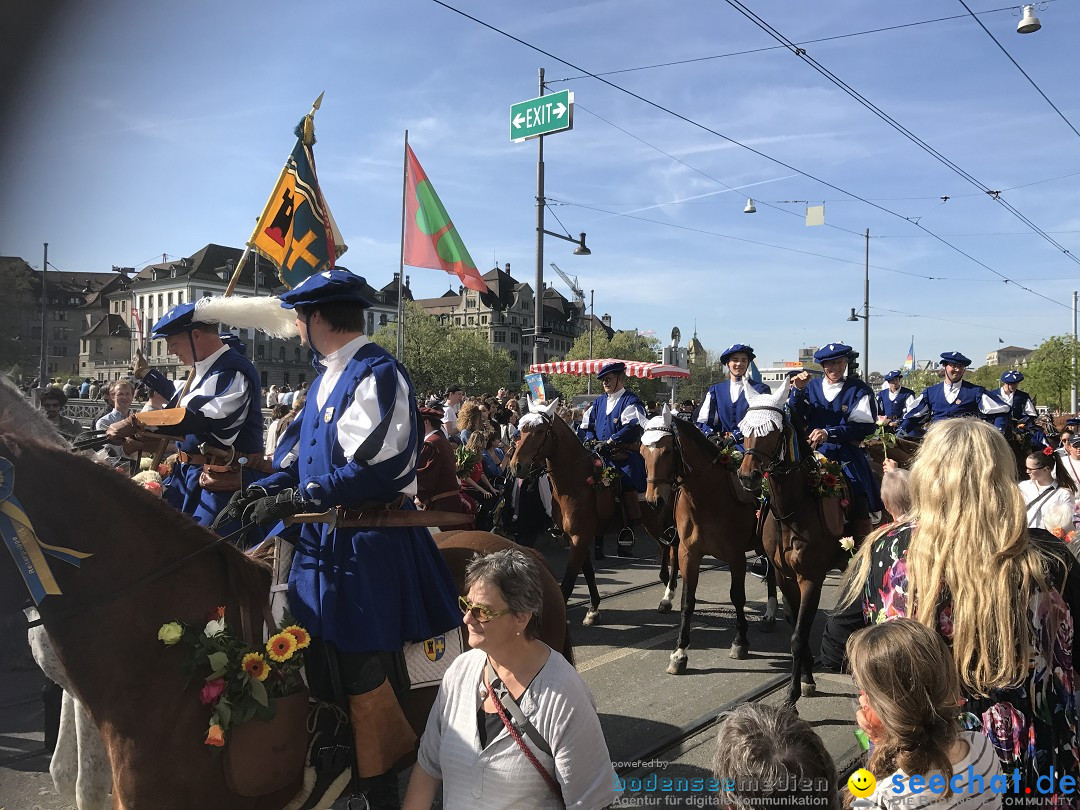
(909, 704)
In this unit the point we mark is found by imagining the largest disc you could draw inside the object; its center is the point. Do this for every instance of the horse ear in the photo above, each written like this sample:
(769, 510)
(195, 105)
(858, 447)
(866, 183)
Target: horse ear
(666, 413)
(551, 409)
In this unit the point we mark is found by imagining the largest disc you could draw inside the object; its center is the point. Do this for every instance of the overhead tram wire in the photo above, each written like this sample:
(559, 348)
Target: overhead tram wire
(743, 9)
(1038, 89)
(994, 328)
(700, 171)
(775, 47)
(759, 153)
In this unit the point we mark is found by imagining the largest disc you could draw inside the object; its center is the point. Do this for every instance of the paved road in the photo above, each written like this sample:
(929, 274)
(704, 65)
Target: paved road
(623, 659)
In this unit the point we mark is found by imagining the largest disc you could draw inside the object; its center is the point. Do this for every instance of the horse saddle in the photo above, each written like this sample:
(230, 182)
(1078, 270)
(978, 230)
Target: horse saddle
(833, 513)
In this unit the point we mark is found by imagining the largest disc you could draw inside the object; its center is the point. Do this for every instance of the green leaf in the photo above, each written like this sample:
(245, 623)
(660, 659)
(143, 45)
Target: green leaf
(224, 712)
(258, 691)
(219, 661)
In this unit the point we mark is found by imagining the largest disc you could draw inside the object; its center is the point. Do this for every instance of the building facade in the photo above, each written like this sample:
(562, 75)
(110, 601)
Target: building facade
(1009, 356)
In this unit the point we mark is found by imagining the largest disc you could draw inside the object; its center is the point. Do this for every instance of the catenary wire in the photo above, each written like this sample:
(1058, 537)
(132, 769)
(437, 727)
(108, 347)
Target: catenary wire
(699, 125)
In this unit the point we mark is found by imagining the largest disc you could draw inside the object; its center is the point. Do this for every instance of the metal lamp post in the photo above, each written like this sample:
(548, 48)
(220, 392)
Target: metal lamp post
(866, 314)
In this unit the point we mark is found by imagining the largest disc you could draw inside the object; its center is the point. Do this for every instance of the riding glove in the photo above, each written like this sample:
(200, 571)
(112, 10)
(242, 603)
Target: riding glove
(267, 511)
(240, 501)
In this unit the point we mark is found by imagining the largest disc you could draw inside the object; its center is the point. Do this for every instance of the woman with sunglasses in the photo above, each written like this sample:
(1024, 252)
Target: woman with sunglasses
(1048, 484)
(514, 724)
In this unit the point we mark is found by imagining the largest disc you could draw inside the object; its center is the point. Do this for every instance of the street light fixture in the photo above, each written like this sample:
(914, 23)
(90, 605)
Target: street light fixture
(1029, 23)
(580, 250)
(866, 314)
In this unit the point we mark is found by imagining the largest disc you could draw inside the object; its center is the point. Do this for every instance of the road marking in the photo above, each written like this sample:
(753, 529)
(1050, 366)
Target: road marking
(615, 655)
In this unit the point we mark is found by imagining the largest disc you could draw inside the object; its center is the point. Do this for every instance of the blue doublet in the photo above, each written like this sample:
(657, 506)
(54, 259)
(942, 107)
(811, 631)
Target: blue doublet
(603, 426)
(893, 409)
(1021, 411)
(718, 414)
(362, 589)
(845, 434)
(222, 409)
(932, 403)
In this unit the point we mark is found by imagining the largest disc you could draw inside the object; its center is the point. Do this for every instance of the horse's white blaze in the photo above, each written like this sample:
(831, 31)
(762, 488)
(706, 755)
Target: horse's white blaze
(770, 608)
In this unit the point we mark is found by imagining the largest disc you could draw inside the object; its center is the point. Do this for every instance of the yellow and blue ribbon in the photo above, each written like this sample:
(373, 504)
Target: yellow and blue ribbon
(23, 544)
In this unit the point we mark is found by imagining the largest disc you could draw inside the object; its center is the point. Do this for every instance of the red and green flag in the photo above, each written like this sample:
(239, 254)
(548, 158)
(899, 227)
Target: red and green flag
(431, 240)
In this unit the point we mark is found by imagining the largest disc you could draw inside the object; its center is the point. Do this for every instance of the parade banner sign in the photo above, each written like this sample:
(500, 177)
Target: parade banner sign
(536, 387)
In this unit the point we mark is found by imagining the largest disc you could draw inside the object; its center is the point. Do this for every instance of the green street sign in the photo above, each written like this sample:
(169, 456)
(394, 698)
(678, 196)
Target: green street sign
(542, 116)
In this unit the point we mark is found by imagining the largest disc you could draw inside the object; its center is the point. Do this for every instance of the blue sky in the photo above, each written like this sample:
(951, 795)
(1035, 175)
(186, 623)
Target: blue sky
(151, 128)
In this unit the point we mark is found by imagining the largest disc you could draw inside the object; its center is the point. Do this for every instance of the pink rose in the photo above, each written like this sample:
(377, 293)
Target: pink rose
(211, 691)
(152, 486)
(590, 481)
(598, 463)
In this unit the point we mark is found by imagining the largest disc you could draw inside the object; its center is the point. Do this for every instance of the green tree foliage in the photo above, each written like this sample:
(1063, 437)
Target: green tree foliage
(989, 377)
(623, 346)
(920, 379)
(1049, 371)
(704, 373)
(437, 356)
(18, 353)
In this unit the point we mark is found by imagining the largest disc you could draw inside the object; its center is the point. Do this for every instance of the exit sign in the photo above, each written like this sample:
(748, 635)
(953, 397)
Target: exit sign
(542, 116)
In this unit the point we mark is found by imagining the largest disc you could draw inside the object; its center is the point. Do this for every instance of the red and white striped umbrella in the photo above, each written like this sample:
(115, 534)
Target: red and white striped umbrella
(634, 368)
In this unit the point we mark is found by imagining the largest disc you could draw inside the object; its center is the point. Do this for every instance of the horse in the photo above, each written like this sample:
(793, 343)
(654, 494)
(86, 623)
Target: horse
(796, 539)
(714, 515)
(577, 507)
(150, 565)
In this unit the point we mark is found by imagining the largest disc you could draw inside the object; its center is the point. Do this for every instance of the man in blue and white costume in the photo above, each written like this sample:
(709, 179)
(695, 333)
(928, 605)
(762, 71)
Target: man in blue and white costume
(220, 414)
(613, 425)
(362, 593)
(894, 399)
(1021, 409)
(839, 412)
(951, 397)
(725, 404)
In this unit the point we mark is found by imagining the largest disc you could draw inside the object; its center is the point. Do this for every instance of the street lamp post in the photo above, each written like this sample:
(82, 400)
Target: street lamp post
(866, 314)
(43, 368)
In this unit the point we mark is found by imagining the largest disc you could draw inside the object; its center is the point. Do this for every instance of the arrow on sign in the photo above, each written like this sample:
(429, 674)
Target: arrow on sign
(559, 109)
(519, 119)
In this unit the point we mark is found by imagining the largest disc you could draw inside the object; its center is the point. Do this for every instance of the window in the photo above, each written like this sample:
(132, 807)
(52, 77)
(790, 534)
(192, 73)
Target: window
(262, 376)
(500, 336)
(382, 320)
(483, 319)
(513, 357)
(281, 354)
(98, 345)
(60, 314)
(285, 376)
(157, 348)
(296, 355)
(370, 322)
(170, 299)
(471, 320)
(59, 333)
(260, 352)
(160, 301)
(61, 351)
(142, 303)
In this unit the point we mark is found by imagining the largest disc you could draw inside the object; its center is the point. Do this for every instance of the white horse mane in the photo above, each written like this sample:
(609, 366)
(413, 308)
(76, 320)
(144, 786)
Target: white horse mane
(19, 418)
(657, 428)
(763, 422)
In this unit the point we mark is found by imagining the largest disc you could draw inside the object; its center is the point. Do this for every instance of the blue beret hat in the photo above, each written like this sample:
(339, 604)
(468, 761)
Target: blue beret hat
(892, 375)
(735, 349)
(177, 320)
(954, 359)
(831, 352)
(611, 368)
(326, 287)
(1073, 421)
(233, 342)
(1012, 377)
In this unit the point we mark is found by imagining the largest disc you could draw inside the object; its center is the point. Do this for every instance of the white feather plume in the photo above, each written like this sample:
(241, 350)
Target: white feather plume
(263, 313)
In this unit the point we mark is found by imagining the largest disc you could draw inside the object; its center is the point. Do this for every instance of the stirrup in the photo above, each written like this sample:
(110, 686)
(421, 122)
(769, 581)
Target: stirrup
(623, 542)
(668, 537)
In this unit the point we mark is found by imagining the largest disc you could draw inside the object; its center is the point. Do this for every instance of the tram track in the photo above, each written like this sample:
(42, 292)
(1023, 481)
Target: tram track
(653, 583)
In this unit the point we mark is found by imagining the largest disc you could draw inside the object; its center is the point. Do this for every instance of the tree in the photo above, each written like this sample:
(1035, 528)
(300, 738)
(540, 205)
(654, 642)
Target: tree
(704, 373)
(437, 356)
(1049, 371)
(623, 346)
(921, 378)
(989, 377)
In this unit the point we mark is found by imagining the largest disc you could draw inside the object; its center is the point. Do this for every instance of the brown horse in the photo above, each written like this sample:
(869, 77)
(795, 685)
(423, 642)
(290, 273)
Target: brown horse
(581, 510)
(104, 624)
(714, 516)
(795, 537)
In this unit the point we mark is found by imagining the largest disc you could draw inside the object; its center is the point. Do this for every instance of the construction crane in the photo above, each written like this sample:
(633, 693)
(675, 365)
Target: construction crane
(579, 294)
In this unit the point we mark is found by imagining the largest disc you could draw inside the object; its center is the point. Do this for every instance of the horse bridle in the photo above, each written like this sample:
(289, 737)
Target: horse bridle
(676, 468)
(770, 462)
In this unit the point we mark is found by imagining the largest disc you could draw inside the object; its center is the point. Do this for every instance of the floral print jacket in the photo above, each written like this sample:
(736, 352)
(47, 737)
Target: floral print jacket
(1033, 727)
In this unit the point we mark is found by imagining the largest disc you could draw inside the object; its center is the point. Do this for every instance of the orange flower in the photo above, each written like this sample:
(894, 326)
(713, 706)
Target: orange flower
(216, 613)
(255, 665)
(215, 736)
(303, 638)
(282, 646)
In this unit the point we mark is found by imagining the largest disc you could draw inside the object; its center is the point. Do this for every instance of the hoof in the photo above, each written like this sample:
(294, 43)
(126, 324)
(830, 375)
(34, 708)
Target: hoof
(808, 689)
(738, 652)
(768, 624)
(592, 617)
(677, 666)
(664, 606)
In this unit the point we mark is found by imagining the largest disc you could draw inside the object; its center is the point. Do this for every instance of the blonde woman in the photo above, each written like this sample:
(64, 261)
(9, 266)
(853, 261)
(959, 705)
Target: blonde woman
(1004, 597)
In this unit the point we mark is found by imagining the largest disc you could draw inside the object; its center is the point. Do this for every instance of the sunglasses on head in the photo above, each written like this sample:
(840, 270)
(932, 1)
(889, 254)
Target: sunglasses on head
(482, 613)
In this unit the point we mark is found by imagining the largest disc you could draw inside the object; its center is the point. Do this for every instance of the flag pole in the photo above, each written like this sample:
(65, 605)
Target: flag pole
(401, 259)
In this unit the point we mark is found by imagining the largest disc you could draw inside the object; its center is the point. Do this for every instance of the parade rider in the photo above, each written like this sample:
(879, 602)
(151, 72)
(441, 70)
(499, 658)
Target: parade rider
(218, 419)
(839, 412)
(953, 396)
(725, 403)
(1021, 409)
(361, 592)
(613, 425)
(893, 400)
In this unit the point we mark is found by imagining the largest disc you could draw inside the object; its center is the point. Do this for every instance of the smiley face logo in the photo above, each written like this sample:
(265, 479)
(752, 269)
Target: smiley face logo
(861, 783)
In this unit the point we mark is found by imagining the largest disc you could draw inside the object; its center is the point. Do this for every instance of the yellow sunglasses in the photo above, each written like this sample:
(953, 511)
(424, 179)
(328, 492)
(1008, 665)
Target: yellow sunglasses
(482, 613)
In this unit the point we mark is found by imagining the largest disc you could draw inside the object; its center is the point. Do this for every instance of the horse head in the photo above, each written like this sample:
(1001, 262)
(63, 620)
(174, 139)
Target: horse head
(658, 447)
(764, 428)
(536, 439)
